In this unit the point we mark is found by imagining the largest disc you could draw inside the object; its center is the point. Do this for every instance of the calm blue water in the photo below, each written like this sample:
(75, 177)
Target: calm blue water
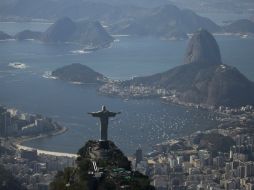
(144, 122)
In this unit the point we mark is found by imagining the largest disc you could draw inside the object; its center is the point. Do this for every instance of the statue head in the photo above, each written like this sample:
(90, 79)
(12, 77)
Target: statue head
(103, 108)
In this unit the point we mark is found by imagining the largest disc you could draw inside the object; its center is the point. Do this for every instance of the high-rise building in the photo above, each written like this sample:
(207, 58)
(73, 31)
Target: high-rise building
(139, 155)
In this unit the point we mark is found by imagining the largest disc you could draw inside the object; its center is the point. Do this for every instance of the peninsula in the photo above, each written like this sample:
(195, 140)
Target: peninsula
(202, 80)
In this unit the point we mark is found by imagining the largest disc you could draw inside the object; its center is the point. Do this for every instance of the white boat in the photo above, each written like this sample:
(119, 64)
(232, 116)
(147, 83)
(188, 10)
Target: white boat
(18, 65)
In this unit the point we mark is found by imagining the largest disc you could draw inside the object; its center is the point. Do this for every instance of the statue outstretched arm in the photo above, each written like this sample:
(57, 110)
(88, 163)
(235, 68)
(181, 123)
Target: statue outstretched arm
(94, 114)
(113, 114)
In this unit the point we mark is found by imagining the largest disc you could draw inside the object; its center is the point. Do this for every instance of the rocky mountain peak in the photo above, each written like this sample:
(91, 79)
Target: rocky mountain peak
(60, 31)
(203, 48)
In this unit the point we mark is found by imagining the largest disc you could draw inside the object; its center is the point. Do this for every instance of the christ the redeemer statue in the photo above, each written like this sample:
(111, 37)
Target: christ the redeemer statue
(104, 115)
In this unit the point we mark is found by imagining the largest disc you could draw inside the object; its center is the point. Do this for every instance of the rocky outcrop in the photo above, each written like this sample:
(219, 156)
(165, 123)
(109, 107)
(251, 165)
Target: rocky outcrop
(106, 151)
(88, 33)
(97, 172)
(61, 31)
(203, 48)
(92, 34)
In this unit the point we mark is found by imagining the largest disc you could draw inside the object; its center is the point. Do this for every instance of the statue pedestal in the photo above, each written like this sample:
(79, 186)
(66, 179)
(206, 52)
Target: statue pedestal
(104, 144)
(104, 148)
(100, 150)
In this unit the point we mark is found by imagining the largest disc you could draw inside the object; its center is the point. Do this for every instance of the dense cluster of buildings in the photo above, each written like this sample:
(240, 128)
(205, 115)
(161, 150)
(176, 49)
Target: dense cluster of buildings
(168, 96)
(185, 164)
(14, 123)
(35, 171)
(135, 91)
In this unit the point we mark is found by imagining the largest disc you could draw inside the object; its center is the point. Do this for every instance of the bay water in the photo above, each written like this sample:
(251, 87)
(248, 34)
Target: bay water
(143, 122)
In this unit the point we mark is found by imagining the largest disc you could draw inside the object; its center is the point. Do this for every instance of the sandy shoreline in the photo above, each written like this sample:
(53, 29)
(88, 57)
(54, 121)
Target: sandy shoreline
(18, 144)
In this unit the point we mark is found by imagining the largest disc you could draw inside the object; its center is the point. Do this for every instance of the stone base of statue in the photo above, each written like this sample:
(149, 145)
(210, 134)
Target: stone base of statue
(100, 150)
(106, 151)
(103, 144)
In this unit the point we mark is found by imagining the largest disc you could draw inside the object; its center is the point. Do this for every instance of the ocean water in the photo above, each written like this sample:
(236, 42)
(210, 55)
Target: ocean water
(142, 122)
(13, 28)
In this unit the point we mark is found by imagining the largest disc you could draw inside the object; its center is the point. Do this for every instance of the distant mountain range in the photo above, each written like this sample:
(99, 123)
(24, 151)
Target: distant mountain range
(139, 18)
(170, 22)
(240, 26)
(111, 10)
(203, 79)
(107, 11)
(88, 33)
(167, 22)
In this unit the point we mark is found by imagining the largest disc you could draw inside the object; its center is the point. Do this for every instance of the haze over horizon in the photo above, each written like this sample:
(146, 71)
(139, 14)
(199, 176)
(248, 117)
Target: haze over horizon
(217, 10)
(175, 78)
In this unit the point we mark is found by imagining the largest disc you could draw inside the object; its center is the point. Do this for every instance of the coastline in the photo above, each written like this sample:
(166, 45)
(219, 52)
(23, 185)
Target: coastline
(237, 115)
(60, 130)
(45, 152)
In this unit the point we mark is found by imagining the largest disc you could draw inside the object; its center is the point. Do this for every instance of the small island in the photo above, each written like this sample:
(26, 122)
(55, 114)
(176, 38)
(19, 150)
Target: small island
(78, 73)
